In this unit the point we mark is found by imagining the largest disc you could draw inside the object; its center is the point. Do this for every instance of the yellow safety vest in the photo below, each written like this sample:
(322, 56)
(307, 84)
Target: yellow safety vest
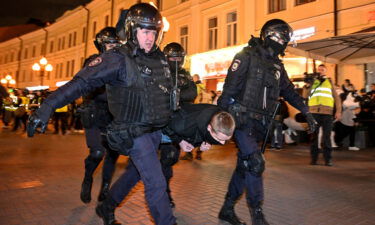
(321, 94)
(62, 109)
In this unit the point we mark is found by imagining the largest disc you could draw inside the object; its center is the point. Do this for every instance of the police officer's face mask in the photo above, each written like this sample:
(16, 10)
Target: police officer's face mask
(277, 46)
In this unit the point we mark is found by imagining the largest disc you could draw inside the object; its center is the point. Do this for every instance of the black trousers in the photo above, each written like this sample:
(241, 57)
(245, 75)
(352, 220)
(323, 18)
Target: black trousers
(326, 122)
(342, 131)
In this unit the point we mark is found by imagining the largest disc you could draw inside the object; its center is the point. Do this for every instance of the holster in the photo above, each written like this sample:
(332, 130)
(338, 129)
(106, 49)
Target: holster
(121, 138)
(87, 115)
(238, 111)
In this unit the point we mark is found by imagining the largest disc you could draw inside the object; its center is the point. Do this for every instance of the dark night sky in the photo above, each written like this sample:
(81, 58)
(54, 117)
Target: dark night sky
(14, 12)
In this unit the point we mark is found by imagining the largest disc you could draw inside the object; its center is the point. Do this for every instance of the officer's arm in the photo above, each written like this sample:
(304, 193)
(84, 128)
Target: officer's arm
(289, 93)
(235, 80)
(189, 92)
(86, 80)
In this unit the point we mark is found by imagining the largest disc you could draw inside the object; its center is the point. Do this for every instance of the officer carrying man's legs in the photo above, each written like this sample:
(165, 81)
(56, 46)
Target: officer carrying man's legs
(255, 80)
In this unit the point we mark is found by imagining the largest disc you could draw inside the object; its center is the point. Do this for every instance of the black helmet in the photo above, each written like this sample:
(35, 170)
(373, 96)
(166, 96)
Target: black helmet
(144, 16)
(175, 54)
(106, 36)
(277, 30)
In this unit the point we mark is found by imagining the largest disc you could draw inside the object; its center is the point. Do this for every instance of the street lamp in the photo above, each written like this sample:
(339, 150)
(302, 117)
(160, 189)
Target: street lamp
(42, 66)
(8, 80)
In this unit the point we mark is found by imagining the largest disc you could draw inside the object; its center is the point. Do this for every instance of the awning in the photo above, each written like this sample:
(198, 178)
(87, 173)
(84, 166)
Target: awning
(357, 48)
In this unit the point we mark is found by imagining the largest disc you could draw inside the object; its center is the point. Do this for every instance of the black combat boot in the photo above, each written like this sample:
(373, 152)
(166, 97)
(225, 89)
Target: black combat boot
(106, 211)
(103, 191)
(86, 190)
(257, 216)
(227, 212)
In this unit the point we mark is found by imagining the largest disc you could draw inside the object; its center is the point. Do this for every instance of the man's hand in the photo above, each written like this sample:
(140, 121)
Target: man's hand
(186, 146)
(205, 146)
(313, 125)
(33, 124)
(338, 116)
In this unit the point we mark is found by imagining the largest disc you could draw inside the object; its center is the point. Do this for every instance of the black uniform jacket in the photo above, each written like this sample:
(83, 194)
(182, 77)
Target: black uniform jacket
(190, 124)
(108, 68)
(238, 72)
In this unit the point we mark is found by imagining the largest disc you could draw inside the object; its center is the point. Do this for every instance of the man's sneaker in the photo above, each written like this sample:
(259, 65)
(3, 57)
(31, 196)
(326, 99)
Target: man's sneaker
(187, 156)
(353, 148)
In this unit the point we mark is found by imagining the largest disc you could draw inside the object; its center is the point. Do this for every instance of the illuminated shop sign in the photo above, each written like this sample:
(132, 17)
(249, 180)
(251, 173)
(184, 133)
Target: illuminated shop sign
(304, 33)
(213, 64)
(36, 88)
(61, 83)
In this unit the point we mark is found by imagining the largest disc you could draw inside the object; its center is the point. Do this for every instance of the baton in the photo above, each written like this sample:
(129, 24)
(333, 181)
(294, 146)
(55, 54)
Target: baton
(263, 149)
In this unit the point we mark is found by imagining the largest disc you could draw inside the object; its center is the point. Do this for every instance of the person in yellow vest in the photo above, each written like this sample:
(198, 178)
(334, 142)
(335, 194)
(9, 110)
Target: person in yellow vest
(323, 101)
(20, 114)
(61, 114)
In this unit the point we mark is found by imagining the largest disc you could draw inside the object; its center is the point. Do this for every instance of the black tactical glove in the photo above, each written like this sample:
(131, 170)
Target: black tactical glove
(39, 119)
(313, 125)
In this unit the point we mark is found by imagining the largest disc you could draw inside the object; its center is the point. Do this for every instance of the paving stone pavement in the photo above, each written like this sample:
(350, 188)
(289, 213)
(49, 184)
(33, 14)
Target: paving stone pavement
(40, 181)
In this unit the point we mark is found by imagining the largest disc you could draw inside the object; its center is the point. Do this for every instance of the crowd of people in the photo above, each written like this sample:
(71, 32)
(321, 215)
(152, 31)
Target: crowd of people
(138, 102)
(17, 104)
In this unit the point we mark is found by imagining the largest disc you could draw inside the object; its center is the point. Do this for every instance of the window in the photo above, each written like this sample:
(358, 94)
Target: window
(48, 75)
(51, 47)
(276, 5)
(61, 70)
(33, 53)
(83, 34)
(106, 21)
(94, 29)
(12, 56)
(72, 67)
(75, 38)
(24, 75)
(184, 32)
(59, 45)
(212, 33)
(25, 55)
(183, 1)
(82, 61)
(67, 69)
(31, 75)
(301, 2)
(232, 28)
(6, 58)
(1, 59)
(70, 40)
(57, 69)
(63, 43)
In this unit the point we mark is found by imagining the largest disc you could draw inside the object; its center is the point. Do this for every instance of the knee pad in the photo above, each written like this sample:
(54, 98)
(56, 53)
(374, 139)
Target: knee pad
(169, 156)
(254, 163)
(96, 153)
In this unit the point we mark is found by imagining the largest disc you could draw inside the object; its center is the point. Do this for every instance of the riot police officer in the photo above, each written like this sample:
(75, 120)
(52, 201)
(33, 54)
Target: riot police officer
(95, 117)
(138, 87)
(255, 80)
(187, 91)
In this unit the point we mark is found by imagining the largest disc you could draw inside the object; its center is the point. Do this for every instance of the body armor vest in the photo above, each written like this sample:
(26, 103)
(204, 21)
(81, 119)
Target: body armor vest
(145, 98)
(262, 90)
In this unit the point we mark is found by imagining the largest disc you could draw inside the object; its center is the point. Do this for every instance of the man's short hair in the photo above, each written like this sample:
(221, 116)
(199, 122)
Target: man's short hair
(223, 122)
(322, 65)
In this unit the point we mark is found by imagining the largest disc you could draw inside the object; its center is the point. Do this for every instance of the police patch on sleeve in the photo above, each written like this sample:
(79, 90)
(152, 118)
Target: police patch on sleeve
(96, 61)
(235, 65)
